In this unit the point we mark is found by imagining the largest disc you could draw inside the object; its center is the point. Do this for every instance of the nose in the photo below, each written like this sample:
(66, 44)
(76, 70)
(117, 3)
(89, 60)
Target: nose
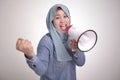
(62, 20)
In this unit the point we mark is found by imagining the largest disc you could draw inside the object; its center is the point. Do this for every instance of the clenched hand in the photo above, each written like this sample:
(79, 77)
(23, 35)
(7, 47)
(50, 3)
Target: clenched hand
(26, 47)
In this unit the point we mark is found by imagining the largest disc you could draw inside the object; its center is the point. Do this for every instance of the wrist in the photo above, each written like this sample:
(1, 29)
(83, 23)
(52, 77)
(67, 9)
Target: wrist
(29, 56)
(74, 50)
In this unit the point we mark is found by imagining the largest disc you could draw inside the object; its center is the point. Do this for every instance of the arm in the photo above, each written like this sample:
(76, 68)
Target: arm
(78, 56)
(39, 63)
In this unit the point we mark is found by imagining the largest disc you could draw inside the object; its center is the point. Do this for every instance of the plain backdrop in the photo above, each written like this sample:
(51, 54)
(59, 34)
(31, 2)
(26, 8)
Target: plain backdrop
(27, 19)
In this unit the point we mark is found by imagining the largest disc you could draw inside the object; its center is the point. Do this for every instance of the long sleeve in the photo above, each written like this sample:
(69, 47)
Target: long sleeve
(46, 65)
(39, 63)
(79, 58)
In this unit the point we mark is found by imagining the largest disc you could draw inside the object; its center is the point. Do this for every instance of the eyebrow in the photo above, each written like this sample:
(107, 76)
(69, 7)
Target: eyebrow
(57, 15)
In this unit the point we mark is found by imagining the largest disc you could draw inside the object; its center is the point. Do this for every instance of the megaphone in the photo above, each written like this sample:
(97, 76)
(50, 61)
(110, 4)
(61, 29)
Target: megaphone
(86, 39)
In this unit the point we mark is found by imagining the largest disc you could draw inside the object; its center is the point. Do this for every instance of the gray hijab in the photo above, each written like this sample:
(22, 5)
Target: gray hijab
(61, 52)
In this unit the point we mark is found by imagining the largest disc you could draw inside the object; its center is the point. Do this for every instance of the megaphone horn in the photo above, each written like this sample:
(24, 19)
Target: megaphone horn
(86, 39)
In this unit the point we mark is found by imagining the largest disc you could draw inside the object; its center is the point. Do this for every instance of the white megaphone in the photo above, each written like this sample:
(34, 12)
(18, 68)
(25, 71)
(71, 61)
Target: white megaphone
(86, 39)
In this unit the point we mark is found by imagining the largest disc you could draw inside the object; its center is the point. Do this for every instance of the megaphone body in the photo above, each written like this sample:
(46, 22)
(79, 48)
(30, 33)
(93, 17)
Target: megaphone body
(86, 39)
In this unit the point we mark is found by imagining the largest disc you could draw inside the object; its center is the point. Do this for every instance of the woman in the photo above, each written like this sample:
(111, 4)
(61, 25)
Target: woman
(55, 59)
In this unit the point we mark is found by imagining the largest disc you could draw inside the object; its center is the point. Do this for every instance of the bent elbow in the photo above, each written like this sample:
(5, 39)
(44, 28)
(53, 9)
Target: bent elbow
(81, 63)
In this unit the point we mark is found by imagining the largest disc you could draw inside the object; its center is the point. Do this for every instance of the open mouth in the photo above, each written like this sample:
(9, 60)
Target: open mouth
(63, 27)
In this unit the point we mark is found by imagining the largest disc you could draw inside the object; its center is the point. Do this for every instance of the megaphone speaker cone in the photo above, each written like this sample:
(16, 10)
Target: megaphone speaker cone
(87, 40)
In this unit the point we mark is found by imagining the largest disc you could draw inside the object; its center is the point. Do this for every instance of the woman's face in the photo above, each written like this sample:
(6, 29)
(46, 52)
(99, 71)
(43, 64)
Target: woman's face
(61, 20)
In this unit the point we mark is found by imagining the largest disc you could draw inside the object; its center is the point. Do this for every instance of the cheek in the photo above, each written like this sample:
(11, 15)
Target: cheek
(68, 21)
(56, 24)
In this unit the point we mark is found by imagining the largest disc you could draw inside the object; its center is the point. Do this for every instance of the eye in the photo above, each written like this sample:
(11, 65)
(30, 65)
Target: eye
(65, 16)
(57, 17)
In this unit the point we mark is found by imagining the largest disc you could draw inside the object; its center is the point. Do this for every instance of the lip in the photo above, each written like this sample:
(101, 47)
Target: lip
(63, 27)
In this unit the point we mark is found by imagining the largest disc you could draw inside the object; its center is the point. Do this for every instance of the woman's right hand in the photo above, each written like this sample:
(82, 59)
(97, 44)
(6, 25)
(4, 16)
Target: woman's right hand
(26, 47)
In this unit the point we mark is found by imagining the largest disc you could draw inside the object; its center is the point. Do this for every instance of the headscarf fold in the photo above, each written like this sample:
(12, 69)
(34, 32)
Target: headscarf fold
(61, 51)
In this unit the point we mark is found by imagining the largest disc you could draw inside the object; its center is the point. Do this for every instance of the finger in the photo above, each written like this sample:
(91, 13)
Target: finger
(74, 43)
(74, 40)
(71, 41)
(27, 42)
(18, 43)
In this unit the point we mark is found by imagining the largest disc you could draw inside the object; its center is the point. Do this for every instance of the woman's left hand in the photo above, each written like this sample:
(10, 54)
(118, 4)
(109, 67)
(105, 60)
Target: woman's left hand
(73, 45)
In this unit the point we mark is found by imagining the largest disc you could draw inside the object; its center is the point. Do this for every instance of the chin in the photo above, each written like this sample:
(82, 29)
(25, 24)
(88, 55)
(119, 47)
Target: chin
(64, 32)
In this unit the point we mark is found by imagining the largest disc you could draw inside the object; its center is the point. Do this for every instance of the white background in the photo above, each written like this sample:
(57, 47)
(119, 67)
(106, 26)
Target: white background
(27, 19)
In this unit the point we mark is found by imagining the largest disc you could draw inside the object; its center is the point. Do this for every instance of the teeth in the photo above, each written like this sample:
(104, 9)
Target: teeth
(63, 27)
